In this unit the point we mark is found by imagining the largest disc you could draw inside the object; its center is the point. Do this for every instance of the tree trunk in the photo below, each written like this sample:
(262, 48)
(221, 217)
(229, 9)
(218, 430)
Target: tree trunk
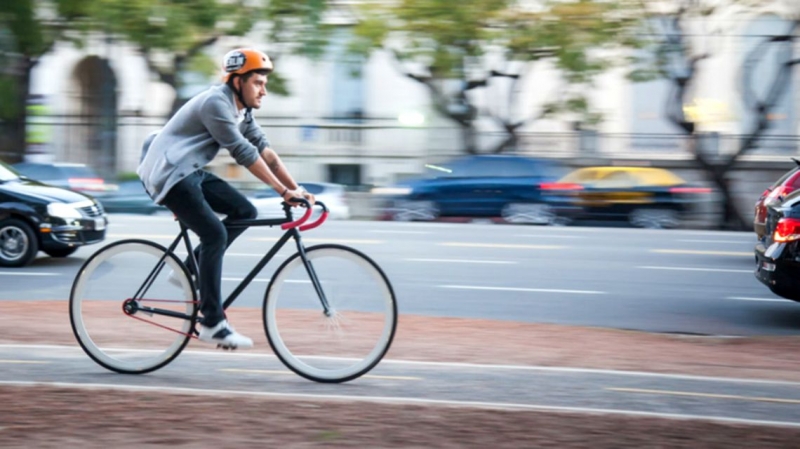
(731, 219)
(13, 141)
(470, 138)
(717, 173)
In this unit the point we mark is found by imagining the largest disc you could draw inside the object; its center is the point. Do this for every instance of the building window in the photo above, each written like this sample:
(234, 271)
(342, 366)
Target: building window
(346, 174)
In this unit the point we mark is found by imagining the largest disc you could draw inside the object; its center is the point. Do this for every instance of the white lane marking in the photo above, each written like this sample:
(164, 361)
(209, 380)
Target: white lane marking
(705, 253)
(399, 232)
(25, 362)
(455, 365)
(551, 236)
(498, 245)
(713, 270)
(284, 372)
(288, 281)
(718, 241)
(326, 240)
(515, 289)
(253, 255)
(695, 394)
(142, 236)
(16, 273)
(744, 298)
(397, 400)
(496, 262)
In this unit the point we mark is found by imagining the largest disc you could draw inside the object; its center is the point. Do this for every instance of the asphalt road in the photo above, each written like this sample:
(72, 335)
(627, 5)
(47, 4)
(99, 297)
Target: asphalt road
(680, 281)
(697, 282)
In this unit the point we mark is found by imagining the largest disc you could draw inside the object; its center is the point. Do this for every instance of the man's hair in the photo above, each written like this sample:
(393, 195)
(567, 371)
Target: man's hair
(247, 76)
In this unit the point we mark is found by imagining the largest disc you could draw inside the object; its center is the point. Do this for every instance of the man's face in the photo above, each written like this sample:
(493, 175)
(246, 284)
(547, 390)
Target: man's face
(254, 89)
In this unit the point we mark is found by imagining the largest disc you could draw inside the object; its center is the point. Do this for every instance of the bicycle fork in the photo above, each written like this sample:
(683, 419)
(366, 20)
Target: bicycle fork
(312, 274)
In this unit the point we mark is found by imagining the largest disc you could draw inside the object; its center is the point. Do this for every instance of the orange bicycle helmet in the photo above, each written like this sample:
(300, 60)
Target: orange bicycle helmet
(244, 60)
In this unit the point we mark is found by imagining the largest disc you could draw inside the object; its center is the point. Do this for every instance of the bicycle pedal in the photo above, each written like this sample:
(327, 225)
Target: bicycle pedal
(226, 347)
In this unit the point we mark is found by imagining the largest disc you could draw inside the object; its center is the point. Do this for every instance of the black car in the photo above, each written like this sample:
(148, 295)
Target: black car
(778, 253)
(36, 216)
(506, 186)
(786, 184)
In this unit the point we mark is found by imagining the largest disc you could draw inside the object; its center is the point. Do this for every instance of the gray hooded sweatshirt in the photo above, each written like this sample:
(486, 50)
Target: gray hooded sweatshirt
(194, 136)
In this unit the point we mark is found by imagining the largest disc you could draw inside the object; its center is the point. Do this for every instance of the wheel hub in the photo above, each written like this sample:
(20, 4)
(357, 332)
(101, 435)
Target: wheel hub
(12, 242)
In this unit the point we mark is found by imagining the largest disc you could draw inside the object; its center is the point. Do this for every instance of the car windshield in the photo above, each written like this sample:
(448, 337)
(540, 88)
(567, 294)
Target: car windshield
(6, 174)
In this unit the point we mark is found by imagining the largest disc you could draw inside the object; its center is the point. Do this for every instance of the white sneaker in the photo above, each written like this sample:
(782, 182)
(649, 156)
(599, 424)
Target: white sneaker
(175, 280)
(224, 336)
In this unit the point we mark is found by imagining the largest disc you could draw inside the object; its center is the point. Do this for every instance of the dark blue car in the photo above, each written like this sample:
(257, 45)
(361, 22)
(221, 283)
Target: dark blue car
(474, 186)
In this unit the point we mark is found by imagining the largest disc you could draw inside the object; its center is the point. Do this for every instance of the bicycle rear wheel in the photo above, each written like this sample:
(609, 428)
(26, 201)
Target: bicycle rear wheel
(122, 321)
(348, 341)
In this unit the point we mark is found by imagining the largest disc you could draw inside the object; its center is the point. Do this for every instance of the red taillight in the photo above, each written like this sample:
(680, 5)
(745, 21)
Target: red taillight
(778, 192)
(787, 230)
(690, 190)
(86, 183)
(560, 186)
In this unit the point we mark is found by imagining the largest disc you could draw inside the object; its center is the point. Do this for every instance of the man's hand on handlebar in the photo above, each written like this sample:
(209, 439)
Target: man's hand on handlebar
(298, 193)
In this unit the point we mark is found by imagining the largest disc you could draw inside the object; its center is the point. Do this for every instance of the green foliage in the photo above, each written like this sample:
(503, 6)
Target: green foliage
(8, 97)
(458, 41)
(278, 84)
(299, 25)
(180, 28)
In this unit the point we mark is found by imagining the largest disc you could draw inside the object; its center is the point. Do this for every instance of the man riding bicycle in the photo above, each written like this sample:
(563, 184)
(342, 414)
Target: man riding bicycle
(172, 164)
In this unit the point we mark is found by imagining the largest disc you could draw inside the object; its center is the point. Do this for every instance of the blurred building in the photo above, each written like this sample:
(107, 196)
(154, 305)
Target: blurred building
(363, 122)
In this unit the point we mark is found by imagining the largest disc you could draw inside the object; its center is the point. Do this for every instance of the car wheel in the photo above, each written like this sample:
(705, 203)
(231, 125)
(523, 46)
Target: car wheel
(531, 213)
(18, 243)
(60, 252)
(654, 218)
(415, 210)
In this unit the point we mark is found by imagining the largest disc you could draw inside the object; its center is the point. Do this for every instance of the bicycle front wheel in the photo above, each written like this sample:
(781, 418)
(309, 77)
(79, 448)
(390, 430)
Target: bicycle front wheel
(334, 330)
(131, 313)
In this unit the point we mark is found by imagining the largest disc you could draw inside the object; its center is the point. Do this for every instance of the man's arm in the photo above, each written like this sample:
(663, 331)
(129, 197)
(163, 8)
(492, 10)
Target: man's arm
(278, 169)
(269, 169)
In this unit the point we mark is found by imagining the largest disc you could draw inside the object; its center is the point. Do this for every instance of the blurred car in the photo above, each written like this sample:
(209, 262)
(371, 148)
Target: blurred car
(505, 186)
(778, 253)
(35, 216)
(76, 177)
(268, 202)
(786, 184)
(129, 197)
(643, 196)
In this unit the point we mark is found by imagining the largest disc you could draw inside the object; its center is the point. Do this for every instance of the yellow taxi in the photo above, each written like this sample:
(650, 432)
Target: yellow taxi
(646, 197)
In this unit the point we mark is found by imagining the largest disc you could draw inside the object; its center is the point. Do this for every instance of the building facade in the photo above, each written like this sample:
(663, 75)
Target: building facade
(364, 123)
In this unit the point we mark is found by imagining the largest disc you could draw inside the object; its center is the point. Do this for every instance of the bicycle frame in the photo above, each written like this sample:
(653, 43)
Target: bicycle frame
(292, 229)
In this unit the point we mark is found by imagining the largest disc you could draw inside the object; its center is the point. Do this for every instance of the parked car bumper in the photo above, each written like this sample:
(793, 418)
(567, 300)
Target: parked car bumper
(777, 267)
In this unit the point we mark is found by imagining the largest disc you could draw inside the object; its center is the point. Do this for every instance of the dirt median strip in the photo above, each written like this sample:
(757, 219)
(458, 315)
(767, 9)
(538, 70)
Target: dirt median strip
(48, 417)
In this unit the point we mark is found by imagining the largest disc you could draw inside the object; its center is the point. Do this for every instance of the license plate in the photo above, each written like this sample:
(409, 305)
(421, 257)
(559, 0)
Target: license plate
(99, 224)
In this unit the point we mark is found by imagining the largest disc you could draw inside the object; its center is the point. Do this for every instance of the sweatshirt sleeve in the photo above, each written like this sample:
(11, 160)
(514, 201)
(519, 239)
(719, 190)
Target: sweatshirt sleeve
(217, 118)
(256, 135)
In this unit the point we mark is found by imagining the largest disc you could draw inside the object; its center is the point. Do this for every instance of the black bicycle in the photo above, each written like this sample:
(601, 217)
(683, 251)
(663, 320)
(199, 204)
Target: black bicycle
(329, 311)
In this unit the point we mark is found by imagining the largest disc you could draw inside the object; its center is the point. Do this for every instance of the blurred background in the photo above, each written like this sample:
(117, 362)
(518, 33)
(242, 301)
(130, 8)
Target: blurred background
(391, 102)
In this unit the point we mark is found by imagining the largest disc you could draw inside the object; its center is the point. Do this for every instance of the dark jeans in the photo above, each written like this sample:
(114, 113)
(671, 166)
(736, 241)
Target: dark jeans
(194, 201)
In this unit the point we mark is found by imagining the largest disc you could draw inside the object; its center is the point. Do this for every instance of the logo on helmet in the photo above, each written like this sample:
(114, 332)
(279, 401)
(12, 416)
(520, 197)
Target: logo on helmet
(234, 61)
